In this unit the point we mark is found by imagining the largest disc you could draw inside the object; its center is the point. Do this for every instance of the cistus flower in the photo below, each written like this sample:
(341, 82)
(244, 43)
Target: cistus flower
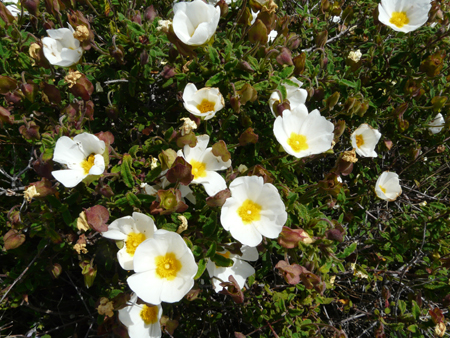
(205, 102)
(164, 268)
(437, 124)
(204, 165)
(355, 56)
(61, 48)
(294, 94)
(194, 23)
(82, 156)
(388, 187)
(255, 209)
(404, 16)
(302, 134)
(132, 230)
(240, 270)
(364, 140)
(141, 320)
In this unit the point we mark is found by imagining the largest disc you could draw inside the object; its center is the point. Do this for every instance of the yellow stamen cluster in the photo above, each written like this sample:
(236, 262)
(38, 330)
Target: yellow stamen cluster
(206, 106)
(359, 140)
(399, 19)
(133, 241)
(298, 142)
(167, 266)
(88, 164)
(198, 169)
(249, 211)
(149, 314)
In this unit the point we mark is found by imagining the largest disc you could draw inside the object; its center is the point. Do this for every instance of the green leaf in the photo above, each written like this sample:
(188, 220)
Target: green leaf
(213, 55)
(133, 200)
(212, 250)
(348, 83)
(144, 198)
(402, 306)
(222, 261)
(210, 226)
(413, 328)
(286, 72)
(201, 268)
(215, 79)
(263, 85)
(133, 151)
(153, 175)
(125, 171)
(349, 250)
(415, 310)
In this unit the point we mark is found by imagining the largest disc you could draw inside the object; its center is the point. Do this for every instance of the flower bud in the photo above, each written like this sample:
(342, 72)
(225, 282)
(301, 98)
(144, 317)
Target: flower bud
(218, 199)
(258, 33)
(168, 72)
(331, 102)
(325, 5)
(32, 6)
(289, 238)
(364, 106)
(223, 8)
(403, 124)
(7, 84)
(55, 270)
(5, 117)
(247, 93)
(43, 188)
(117, 52)
(167, 157)
(6, 15)
(79, 85)
(13, 239)
(52, 92)
(235, 104)
(321, 39)
(29, 90)
(299, 63)
(89, 272)
(181, 171)
(285, 57)
(30, 131)
(433, 64)
(339, 128)
(150, 13)
(323, 61)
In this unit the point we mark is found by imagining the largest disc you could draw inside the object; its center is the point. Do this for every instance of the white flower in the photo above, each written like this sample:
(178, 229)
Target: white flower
(294, 94)
(364, 140)
(61, 48)
(302, 134)
(437, 124)
(205, 102)
(165, 269)
(132, 230)
(255, 209)
(388, 187)
(240, 270)
(355, 56)
(141, 320)
(272, 36)
(204, 165)
(194, 23)
(404, 16)
(82, 156)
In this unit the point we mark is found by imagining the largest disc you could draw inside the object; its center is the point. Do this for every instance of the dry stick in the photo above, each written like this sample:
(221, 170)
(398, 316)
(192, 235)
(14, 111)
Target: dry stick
(368, 329)
(23, 273)
(330, 39)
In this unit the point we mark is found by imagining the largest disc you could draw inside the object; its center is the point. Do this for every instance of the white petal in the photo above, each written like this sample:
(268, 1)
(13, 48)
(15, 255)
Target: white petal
(174, 290)
(69, 178)
(140, 282)
(213, 183)
(190, 88)
(90, 144)
(67, 152)
(249, 253)
(144, 224)
(99, 165)
(246, 234)
(125, 259)
(52, 50)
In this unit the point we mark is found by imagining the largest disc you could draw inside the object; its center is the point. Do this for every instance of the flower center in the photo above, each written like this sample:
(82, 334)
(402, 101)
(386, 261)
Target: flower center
(206, 106)
(297, 142)
(88, 164)
(359, 140)
(133, 241)
(198, 169)
(399, 19)
(249, 211)
(149, 314)
(383, 189)
(167, 266)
